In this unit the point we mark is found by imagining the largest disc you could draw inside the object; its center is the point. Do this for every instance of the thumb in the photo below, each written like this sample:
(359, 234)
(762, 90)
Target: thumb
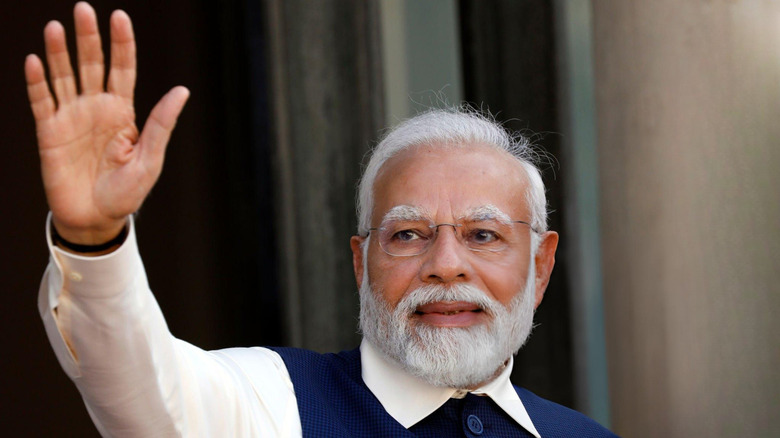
(157, 130)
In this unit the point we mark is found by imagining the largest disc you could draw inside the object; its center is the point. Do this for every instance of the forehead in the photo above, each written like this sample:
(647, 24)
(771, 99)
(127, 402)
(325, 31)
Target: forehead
(449, 181)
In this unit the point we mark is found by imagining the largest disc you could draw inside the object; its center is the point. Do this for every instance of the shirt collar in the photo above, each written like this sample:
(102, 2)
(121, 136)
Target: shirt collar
(409, 399)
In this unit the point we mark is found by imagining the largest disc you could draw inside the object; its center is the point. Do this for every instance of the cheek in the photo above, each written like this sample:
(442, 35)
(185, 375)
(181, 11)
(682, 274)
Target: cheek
(505, 281)
(394, 278)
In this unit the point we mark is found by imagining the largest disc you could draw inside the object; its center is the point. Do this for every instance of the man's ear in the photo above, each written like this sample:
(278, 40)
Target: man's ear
(545, 260)
(356, 243)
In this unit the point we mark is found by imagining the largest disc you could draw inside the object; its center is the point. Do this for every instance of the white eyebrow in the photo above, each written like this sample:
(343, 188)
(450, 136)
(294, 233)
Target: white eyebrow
(406, 213)
(487, 212)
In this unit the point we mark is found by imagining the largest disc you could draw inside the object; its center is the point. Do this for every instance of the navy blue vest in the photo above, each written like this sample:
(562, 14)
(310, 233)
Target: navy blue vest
(333, 401)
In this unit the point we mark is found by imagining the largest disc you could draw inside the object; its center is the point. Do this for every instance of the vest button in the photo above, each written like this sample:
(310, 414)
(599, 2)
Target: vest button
(475, 426)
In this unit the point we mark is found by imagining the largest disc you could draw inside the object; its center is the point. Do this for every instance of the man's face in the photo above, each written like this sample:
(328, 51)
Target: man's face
(449, 185)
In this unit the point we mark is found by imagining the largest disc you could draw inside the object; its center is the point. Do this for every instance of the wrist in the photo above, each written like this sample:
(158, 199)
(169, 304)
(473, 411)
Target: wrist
(92, 241)
(96, 234)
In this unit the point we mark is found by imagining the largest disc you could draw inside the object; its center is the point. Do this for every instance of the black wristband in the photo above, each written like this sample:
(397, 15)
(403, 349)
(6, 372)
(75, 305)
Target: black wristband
(118, 240)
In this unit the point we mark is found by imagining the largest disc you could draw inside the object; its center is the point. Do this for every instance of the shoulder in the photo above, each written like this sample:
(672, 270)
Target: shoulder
(554, 420)
(261, 366)
(253, 356)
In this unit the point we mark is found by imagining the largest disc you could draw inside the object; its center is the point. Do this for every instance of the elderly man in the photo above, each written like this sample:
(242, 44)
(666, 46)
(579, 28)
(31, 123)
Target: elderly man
(452, 257)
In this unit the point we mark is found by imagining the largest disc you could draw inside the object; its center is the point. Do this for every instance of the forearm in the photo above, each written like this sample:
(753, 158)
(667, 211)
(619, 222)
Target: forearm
(112, 340)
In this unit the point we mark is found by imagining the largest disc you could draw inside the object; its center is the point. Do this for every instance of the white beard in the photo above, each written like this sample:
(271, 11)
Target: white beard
(457, 357)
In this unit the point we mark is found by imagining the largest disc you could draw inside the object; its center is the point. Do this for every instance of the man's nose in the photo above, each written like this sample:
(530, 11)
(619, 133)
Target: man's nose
(447, 259)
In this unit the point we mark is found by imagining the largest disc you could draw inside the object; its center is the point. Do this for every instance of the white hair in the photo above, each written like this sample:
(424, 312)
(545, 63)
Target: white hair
(454, 127)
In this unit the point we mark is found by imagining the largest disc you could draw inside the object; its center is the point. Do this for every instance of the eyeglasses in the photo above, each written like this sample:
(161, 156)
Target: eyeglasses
(406, 238)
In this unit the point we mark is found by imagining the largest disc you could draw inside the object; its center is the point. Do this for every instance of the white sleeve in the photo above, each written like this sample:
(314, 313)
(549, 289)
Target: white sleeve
(136, 379)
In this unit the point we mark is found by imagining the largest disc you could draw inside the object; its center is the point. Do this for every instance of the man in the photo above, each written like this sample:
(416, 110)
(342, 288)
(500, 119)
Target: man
(452, 257)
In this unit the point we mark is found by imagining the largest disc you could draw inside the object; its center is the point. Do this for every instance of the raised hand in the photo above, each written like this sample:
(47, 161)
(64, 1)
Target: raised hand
(96, 167)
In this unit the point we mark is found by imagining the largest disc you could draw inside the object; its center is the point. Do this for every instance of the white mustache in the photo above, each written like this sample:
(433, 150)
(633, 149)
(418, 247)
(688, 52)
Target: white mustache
(437, 293)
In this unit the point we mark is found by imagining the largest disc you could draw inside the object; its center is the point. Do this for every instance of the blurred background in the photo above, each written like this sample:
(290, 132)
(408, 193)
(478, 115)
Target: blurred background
(662, 117)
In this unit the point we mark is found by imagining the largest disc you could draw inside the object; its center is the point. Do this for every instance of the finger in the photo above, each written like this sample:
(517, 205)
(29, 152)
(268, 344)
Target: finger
(158, 128)
(41, 100)
(60, 70)
(121, 77)
(91, 64)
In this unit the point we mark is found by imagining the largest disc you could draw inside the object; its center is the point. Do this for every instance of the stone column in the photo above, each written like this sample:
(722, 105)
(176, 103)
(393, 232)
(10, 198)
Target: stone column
(688, 101)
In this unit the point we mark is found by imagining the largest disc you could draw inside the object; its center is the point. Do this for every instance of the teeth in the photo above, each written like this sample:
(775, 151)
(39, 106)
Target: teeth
(453, 312)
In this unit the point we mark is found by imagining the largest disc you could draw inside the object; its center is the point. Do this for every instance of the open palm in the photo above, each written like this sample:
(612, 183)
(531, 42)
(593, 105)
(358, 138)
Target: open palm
(96, 167)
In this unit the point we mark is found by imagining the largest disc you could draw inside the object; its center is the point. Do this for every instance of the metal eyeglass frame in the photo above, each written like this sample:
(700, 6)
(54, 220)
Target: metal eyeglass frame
(436, 234)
